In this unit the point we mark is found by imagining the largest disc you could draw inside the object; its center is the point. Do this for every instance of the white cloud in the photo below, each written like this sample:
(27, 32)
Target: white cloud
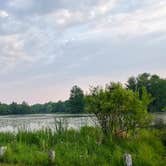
(42, 36)
(104, 7)
(3, 14)
(150, 19)
(11, 51)
(65, 17)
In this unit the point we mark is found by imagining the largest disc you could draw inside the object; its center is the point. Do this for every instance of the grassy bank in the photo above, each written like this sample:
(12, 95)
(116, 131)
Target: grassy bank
(81, 148)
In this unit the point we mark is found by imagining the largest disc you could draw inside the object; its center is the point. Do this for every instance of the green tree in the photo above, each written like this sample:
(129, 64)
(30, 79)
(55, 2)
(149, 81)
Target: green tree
(132, 84)
(59, 107)
(4, 109)
(155, 85)
(76, 100)
(14, 108)
(118, 109)
(24, 108)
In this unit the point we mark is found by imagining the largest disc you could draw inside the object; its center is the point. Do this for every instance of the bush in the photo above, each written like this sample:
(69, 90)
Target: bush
(117, 109)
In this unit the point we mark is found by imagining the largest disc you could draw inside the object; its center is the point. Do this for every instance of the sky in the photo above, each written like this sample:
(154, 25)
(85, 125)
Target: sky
(47, 46)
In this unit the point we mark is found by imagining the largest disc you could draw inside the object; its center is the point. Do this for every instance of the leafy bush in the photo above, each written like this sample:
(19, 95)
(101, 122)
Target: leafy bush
(117, 109)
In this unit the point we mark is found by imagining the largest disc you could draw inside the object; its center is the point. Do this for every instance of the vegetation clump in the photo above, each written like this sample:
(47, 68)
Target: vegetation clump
(118, 110)
(81, 148)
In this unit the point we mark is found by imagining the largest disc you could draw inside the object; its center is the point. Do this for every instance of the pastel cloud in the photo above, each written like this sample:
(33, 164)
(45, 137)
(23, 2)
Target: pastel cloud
(50, 42)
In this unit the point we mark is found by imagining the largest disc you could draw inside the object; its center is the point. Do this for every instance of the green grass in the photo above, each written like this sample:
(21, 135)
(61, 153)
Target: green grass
(85, 147)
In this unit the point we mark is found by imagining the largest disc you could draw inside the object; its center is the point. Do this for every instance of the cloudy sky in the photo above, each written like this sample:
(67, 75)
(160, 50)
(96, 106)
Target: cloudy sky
(46, 46)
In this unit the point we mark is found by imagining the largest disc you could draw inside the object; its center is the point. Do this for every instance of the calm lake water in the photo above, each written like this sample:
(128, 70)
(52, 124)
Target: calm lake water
(33, 122)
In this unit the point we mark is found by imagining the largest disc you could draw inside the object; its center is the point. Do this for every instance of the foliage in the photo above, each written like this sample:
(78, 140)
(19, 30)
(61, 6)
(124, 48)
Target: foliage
(155, 86)
(81, 148)
(76, 100)
(118, 109)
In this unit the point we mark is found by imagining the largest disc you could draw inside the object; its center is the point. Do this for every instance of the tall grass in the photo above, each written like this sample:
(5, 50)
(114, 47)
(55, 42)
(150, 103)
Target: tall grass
(85, 147)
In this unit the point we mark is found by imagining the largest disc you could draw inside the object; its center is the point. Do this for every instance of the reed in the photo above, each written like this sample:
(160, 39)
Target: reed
(81, 148)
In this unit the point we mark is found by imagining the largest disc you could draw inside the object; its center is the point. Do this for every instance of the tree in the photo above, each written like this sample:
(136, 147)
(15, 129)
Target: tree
(117, 108)
(59, 107)
(155, 86)
(76, 100)
(132, 84)
(24, 108)
(14, 108)
(4, 109)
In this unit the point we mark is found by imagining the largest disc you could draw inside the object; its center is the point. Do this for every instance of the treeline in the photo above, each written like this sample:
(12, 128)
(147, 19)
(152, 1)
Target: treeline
(155, 86)
(75, 104)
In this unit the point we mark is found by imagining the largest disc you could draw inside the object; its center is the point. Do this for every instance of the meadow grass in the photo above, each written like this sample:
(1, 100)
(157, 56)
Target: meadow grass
(85, 147)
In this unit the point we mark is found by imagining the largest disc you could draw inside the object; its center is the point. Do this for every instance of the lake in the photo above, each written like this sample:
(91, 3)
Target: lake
(33, 122)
